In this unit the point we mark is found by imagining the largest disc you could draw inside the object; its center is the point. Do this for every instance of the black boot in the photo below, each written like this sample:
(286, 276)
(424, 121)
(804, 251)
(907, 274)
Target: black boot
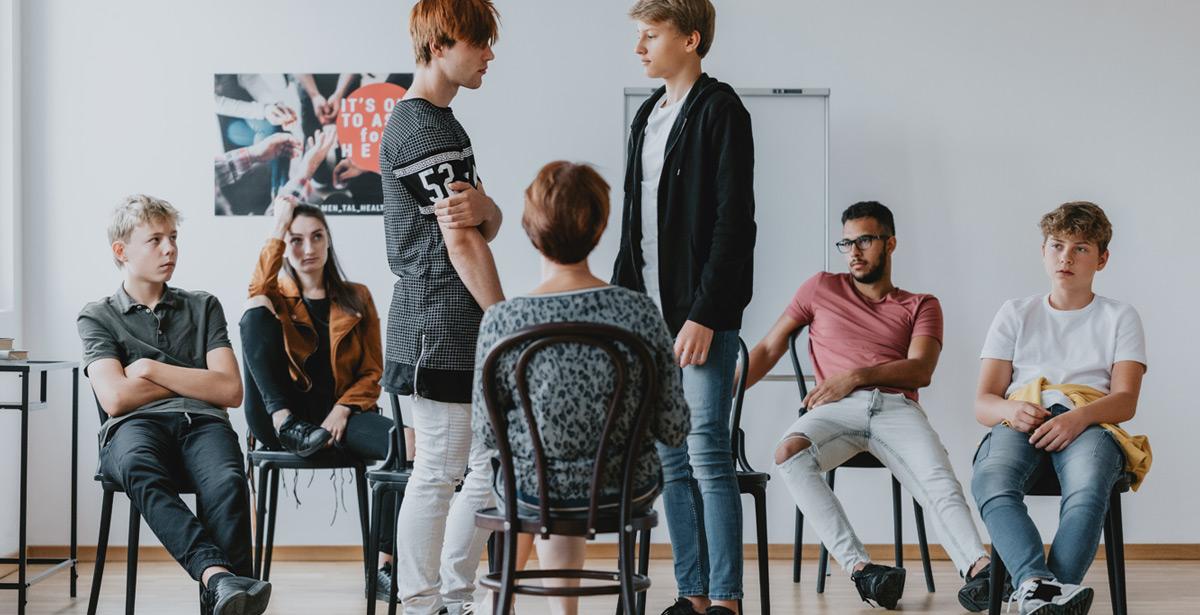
(233, 595)
(883, 584)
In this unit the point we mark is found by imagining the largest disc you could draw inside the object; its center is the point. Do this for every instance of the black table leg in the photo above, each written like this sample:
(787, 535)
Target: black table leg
(74, 477)
(22, 556)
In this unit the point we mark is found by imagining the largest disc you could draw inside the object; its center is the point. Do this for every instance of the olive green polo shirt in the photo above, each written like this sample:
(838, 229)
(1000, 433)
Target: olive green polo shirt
(180, 331)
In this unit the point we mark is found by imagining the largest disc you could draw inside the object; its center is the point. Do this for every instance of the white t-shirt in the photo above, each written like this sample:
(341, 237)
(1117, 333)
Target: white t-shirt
(654, 152)
(1065, 346)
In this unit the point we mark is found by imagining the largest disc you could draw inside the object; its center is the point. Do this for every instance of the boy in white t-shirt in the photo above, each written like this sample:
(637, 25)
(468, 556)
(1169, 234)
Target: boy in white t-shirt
(1083, 357)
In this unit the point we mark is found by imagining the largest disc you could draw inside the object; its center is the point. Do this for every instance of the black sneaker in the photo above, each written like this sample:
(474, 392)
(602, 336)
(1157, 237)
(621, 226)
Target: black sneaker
(682, 606)
(883, 584)
(717, 610)
(301, 437)
(383, 584)
(975, 593)
(228, 594)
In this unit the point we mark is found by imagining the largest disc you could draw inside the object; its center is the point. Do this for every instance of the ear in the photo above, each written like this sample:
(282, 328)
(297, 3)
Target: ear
(437, 50)
(692, 42)
(1103, 261)
(118, 250)
(891, 245)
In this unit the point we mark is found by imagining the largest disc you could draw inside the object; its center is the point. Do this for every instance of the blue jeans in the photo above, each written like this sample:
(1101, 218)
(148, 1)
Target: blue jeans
(1007, 465)
(700, 491)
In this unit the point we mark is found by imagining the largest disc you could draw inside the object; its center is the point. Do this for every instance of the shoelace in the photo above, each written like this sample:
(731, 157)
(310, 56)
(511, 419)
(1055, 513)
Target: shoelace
(862, 594)
(1035, 591)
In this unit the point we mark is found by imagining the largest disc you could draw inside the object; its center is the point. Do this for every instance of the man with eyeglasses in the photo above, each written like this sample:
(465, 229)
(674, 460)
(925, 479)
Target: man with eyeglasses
(872, 346)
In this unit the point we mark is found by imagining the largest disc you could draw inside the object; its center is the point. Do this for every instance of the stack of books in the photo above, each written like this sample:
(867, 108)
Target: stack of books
(8, 353)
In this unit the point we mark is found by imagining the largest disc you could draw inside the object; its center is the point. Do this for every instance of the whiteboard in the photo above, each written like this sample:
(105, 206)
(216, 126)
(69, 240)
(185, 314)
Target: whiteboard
(791, 196)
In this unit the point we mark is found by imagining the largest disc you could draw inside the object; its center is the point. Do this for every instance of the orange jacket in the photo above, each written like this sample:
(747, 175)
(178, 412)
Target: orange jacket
(357, 353)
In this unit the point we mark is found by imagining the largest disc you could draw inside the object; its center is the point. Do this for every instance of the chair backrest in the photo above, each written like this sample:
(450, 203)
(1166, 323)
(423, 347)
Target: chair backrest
(398, 451)
(543, 336)
(793, 340)
(737, 434)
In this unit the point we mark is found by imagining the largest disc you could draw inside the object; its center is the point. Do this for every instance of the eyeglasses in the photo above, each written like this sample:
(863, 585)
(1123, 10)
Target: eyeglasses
(862, 241)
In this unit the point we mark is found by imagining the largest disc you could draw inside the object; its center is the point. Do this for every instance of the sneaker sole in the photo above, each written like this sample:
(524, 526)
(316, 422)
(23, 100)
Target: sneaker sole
(312, 450)
(1079, 603)
(253, 601)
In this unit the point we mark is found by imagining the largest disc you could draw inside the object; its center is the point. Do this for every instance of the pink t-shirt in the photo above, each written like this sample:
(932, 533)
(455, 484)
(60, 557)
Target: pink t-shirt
(848, 331)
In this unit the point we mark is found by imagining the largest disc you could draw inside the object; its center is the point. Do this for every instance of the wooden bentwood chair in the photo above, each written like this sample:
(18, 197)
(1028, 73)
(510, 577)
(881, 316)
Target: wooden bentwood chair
(626, 522)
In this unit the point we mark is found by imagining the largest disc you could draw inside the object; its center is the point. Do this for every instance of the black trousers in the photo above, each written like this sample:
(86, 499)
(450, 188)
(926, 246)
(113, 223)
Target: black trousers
(270, 388)
(150, 456)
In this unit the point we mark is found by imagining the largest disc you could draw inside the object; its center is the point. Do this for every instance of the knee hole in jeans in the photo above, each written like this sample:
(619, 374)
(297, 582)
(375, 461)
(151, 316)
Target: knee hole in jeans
(792, 444)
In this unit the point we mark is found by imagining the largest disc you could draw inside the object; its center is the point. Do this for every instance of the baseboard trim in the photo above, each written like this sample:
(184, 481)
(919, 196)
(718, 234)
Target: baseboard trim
(350, 553)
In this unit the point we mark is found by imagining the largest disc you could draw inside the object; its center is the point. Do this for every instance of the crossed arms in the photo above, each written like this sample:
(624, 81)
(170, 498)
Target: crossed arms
(123, 390)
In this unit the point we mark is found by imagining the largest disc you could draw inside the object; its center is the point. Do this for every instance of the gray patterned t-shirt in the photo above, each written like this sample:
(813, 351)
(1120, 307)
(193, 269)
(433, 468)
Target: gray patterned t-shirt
(433, 318)
(570, 387)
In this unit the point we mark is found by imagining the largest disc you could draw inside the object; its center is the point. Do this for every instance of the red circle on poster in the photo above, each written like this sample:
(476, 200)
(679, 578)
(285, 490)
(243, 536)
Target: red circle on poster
(363, 116)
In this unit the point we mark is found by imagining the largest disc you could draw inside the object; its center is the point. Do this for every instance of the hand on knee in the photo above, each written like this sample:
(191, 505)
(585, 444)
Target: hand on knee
(792, 445)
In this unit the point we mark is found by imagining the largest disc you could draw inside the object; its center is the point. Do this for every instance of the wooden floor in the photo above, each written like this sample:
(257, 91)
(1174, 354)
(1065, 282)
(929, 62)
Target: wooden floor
(1157, 588)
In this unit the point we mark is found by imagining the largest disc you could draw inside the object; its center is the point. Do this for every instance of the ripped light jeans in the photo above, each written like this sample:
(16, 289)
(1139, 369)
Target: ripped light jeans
(896, 431)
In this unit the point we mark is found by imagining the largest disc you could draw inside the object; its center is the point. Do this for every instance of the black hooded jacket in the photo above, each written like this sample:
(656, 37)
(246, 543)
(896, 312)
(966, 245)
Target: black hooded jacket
(705, 210)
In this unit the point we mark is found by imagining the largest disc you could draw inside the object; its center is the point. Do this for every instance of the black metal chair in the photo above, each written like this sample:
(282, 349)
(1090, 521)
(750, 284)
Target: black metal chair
(269, 463)
(387, 484)
(625, 521)
(135, 526)
(861, 460)
(751, 482)
(1114, 542)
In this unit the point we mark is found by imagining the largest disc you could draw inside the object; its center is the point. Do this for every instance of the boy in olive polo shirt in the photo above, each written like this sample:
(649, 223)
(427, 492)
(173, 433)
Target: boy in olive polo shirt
(162, 368)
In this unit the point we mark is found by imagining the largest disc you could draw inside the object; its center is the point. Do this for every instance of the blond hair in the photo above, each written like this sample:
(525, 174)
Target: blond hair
(445, 22)
(686, 15)
(1079, 219)
(138, 209)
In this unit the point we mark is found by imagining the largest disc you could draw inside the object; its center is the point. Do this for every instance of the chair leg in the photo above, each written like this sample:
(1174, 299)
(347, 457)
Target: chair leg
(996, 584)
(1110, 561)
(764, 565)
(898, 522)
(508, 575)
(272, 508)
(373, 546)
(135, 528)
(797, 546)
(360, 481)
(101, 550)
(260, 521)
(823, 559)
(919, 513)
(397, 498)
(643, 567)
(1120, 605)
(500, 569)
(625, 568)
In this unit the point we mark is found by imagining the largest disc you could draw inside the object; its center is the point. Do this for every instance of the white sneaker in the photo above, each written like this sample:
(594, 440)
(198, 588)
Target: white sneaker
(1046, 597)
(1074, 599)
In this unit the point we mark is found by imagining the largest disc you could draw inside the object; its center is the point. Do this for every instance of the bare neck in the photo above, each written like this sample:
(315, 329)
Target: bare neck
(312, 285)
(1071, 299)
(878, 290)
(557, 277)
(433, 86)
(679, 84)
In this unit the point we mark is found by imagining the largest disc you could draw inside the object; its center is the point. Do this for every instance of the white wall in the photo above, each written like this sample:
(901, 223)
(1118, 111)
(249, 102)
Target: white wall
(968, 119)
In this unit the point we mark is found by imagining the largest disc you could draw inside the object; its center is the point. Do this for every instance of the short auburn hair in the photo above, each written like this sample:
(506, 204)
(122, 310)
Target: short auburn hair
(566, 211)
(446, 22)
(138, 209)
(686, 15)
(1081, 220)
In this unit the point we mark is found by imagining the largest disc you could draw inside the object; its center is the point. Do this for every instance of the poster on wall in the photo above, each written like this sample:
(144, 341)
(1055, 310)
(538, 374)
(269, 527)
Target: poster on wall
(315, 136)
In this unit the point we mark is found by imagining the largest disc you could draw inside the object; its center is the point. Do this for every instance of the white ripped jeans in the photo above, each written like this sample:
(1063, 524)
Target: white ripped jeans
(438, 546)
(895, 430)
